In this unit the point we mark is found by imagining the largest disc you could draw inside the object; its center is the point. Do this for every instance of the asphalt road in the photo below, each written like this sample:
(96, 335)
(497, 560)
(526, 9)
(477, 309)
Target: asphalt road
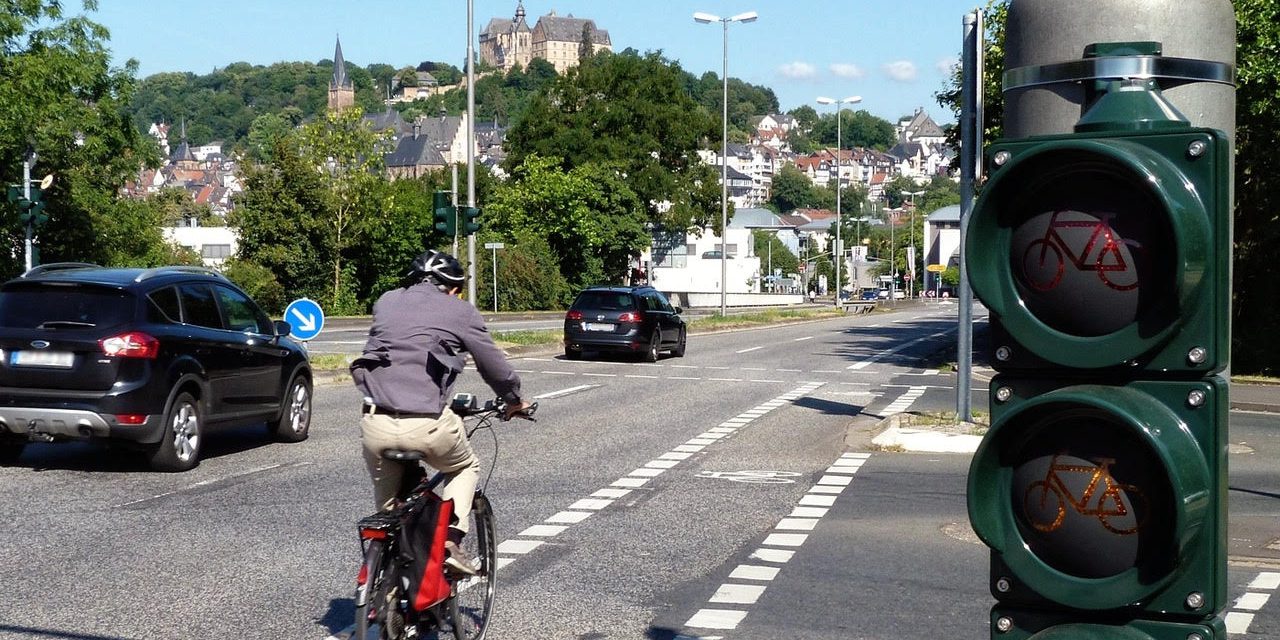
(731, 493)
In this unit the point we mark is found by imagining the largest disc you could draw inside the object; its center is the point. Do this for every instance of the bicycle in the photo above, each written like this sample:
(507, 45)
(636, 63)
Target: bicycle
(383, 609)
(1112, 491)
(1110, 258)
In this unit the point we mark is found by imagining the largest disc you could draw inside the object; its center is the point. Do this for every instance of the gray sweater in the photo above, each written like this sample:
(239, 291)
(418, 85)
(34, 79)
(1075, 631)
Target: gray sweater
(415, 351)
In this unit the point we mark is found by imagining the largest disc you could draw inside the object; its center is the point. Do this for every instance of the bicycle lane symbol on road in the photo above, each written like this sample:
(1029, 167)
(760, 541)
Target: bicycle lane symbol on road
(752, 476)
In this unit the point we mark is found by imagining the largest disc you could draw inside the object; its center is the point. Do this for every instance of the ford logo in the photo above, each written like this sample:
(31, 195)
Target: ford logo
(40, 344)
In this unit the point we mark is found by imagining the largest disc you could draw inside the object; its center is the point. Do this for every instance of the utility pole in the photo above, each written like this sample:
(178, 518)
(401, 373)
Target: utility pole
(28, 160)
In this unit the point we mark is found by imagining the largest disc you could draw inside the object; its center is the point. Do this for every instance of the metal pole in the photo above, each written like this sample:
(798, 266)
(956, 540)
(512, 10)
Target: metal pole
(471, 148)
(26, 194)
(724, 178)
(839, 247)
(971, 122)
(455, 209)
(495, 279)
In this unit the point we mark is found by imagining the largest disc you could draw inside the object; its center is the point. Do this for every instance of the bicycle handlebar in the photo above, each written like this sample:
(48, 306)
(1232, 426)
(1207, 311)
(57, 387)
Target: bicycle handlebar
(464, 404)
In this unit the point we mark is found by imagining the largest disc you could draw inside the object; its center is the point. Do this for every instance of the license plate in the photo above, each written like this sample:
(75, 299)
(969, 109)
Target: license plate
(599, 326)
(59, 359)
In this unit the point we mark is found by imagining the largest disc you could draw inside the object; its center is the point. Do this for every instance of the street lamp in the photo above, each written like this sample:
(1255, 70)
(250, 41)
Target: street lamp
(839, 248)
(706, 18)
(911, 268)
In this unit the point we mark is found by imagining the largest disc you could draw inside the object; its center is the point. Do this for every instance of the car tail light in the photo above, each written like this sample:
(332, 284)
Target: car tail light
(573, 315)
(131, 418)
(630, 316)
(134, 344)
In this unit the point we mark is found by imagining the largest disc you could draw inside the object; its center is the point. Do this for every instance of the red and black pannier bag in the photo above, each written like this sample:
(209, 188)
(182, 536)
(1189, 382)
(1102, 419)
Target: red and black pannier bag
(424, 530)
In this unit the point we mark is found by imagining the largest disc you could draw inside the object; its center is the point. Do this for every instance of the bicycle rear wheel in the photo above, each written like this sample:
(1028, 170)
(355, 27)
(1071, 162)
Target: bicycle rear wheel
(470, 607)
(377, 596)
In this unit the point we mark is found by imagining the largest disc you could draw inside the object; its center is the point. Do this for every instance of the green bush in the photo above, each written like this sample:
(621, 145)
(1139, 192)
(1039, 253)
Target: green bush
(257, 281)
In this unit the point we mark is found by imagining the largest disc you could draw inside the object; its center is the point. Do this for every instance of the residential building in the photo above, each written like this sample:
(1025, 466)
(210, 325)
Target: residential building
(214, 244)
(557, 39)
(941, 243)
(414, 155)
(681, 264)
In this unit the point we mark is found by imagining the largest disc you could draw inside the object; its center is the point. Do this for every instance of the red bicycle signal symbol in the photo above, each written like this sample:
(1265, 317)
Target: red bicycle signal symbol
(1045, 259)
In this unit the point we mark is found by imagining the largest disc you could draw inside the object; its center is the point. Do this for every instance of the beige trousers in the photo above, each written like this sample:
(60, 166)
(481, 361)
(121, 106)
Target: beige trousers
(443, 440)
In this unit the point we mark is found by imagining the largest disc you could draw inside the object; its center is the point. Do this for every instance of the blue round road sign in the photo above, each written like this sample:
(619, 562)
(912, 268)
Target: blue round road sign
(305, 318)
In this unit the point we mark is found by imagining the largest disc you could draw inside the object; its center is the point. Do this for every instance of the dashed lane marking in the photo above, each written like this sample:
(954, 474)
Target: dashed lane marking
(749, 580)
(1257, 593)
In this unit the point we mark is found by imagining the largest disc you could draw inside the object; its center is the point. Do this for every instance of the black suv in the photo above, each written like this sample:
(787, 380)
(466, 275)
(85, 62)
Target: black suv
(625, 319)
(152, 358)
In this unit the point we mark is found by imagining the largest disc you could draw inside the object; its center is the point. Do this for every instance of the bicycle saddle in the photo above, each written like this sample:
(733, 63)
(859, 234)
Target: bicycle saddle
(402, 455)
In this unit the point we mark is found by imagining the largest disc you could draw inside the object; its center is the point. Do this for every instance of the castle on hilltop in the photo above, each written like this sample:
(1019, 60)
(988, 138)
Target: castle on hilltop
(557, 39)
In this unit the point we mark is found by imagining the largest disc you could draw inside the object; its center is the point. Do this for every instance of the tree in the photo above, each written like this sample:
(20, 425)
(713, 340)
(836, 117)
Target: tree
(631, 112)
(342, 147)
(805, 115)
(791, 189)
(773, 253)
(857, 129)
(62, 98)
(587, 47)
(590, 218)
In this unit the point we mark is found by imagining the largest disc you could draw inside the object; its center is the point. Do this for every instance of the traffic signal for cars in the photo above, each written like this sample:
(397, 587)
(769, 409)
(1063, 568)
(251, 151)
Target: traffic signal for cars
(444, 213)
(1104, 259)
(471, 220)
(30, 210)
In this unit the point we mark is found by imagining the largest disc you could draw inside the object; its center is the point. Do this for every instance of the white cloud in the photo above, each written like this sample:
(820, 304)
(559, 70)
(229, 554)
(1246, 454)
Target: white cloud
(947, 64)
(847, 70)
(797, 70)
(901, 70)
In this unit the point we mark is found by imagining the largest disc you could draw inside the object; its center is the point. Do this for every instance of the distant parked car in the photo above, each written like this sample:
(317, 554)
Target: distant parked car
(636, 320)
(149, 358)
(869, 294)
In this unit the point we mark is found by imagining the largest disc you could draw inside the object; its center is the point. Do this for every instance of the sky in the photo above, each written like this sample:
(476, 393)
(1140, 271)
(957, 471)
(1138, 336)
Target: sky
(895, 54)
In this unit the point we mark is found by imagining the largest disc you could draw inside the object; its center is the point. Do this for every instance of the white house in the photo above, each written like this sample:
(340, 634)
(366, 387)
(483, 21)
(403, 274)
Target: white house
(684, 264)
(214, 244)
(941, 242)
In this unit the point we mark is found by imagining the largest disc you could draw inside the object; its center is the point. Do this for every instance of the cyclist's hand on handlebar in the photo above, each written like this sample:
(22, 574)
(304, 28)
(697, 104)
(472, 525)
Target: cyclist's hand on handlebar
(520, 410)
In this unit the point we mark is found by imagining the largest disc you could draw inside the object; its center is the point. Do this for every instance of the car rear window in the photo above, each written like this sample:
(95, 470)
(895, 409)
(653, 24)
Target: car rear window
(62, 306)
(605, 300)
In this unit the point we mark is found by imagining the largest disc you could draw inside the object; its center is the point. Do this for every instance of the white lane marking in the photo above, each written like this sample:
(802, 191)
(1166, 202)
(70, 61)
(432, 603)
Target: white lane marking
(1267, 581)
(661, 464)
(561, 373)
(569, 517)
(808, 512)
(737, 594)
(780, 556)
(1252, 601)
(518, 547)
(786, 539)
(601, 375)
(716, 619)
(588, 503)
(754, 572)
(888, 352)
(630, 482)
(675, 455)
(1238, 622)
(725, 379)
(646, 472)
(747, 350)
(690, 448)
(610, 493)
(797, 524)
(835, 480)
(904, 401)
(211, 481)
(543, 531)
(565, 392)
(682, 378)
(635, 375)
(804, 338)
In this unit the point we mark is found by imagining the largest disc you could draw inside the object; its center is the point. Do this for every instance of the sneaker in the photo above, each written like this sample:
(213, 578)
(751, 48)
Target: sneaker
(458, 560)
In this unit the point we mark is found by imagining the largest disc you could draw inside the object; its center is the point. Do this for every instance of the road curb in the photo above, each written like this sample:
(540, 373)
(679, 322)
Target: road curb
(892, 435)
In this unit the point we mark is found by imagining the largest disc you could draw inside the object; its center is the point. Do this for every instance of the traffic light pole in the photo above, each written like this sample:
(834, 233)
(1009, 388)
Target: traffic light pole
(471, 150)
(26, 195)
(970, 166)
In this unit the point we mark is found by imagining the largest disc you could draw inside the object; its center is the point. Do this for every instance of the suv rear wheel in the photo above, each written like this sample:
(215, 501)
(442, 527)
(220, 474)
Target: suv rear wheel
(294, 422)
(655, 343)
(179, 446)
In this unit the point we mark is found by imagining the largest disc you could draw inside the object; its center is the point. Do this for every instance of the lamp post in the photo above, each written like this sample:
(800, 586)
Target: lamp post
(471, 149)
(707, 18)
(839, 248)
(911, 267)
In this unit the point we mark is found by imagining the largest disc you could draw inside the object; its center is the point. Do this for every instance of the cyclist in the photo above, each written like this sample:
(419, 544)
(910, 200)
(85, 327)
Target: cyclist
(406, 373)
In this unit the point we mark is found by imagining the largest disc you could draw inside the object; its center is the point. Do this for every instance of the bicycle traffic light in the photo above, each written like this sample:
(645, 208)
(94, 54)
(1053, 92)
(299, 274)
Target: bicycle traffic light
(1104, 258)
(471, 220)
(444, 213)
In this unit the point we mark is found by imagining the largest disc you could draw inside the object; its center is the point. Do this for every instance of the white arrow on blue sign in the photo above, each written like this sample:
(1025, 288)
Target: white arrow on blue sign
(305, 318)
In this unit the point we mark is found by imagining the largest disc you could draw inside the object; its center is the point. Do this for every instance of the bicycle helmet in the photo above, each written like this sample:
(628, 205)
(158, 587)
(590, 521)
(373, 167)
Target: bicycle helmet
(440, 267)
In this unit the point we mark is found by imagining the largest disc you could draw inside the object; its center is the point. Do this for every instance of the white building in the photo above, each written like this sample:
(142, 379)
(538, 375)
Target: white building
(688, 264)
(214, 244)
(941, 242)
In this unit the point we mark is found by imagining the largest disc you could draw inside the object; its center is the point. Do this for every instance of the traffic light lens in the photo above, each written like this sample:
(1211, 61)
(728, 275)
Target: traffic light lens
(1093, 253)
(1090, 499)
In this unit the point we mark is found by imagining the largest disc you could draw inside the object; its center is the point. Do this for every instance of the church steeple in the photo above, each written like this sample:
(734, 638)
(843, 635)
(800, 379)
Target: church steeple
(340, 79)
(341, 93)
(519, 11)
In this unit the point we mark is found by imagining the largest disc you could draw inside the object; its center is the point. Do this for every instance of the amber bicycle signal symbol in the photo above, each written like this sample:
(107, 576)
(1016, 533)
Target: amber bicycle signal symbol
(1047, 257)
(1053, 492)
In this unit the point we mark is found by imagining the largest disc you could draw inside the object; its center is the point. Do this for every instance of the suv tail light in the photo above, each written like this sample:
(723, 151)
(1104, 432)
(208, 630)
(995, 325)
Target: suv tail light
(630, 316)
(134, 344)
(573, 315)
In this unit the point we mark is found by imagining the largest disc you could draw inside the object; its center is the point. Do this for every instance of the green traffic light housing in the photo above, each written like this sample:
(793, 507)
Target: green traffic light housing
(1108, 248)
(471, 220)
(444, 213)
(1103, 497)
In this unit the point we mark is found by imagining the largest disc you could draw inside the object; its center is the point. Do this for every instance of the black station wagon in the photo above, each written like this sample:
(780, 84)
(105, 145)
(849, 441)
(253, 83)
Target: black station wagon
(150, 358)
(635, 320)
